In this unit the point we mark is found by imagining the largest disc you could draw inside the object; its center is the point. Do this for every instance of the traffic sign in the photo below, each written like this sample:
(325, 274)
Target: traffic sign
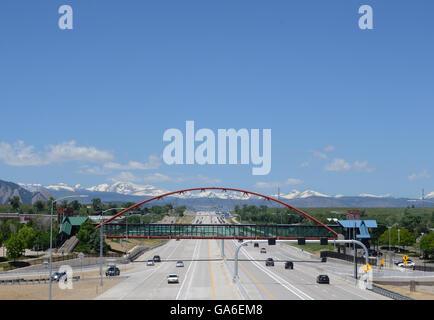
(404, 257)
(367, 267)
(227, 214)
(381, 261)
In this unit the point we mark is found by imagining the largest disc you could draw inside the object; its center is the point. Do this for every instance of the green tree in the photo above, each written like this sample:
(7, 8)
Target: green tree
(76, 205)
(27, 235)
(412, 223)
(15, 203)
(39, 206)
(427, 243)
(95, 243)
(97, 204)
(42, 240)
(85, 237)
(14, 246)
(180, 210)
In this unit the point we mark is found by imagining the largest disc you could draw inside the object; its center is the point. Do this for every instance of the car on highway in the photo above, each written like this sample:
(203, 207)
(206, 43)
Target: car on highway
(263, 250)
(112, 271)
(323, 278)
(179, 264)
(256, 245)
(157, 258)
(289, 265)
(269, 262)
(177, 239)
(58, 275)
(172, 278)
(410, 264)
(150, 263)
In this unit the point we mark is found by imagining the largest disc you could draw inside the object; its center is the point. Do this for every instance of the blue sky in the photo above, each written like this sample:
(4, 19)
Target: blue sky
(351, 110)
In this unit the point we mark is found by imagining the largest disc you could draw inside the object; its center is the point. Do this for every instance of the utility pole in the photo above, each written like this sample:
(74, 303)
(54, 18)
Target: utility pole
(423, 198)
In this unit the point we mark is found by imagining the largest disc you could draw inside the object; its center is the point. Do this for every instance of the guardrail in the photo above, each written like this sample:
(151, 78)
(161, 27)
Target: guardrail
(388, 293)
(20, 281)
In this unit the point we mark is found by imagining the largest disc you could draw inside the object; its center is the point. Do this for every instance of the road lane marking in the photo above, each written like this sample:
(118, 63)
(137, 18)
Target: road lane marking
(186, 274)
(193, 271)
(149, 274)
(210, 269)
(277, 278)
(253, 276)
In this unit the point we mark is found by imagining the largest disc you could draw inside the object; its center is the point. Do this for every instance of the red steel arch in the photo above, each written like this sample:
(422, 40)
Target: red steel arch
(222, 189)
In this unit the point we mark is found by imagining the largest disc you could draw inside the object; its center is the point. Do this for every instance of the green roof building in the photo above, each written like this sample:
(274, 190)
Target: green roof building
(71, 225)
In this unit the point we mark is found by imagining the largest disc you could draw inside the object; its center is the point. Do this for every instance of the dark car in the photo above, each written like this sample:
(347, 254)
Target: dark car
(323, 278)
(289, 265)
(157, 259)
(256, 245)
(269, 262)
(58, 275)
(374, 253)
(112, 271)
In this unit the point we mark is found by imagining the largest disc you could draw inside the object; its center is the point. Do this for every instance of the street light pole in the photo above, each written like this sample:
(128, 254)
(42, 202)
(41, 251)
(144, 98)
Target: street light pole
(51, 238)
(389, 236)
(399, 242)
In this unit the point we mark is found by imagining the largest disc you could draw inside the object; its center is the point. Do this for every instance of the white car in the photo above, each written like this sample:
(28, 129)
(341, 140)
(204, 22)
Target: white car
(179, 264)
(410, 264)
(150, 263)
(172, 278)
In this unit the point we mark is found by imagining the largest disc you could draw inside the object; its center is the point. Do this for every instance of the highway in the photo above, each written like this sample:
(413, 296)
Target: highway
(206, 276)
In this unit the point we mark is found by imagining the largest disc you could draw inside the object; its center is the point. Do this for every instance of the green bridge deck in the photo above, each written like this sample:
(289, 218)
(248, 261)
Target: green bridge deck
(218, 231)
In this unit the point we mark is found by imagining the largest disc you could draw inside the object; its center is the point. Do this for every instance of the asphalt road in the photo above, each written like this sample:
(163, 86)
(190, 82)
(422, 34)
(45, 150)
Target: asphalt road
(206, 276)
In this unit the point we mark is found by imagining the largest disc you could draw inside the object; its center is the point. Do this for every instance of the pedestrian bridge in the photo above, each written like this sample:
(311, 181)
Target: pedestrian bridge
(219, 231)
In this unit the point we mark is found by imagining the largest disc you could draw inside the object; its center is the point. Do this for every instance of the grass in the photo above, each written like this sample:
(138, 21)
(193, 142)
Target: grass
(131, 243)
(313, 248)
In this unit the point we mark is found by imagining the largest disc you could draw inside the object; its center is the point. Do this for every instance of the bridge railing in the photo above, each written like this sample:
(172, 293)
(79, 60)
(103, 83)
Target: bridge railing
(214, 230)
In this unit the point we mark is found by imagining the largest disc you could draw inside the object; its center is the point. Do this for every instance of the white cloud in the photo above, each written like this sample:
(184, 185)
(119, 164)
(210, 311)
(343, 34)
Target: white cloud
(304, 164)
(329, 148)
(93, 170)
(69, 151)
(125, 176)
(293, 181)
(318, 154)
(19, 154)
(340, 165)
(158, 177)
(421, 175)
(153, 163)
(362, 166)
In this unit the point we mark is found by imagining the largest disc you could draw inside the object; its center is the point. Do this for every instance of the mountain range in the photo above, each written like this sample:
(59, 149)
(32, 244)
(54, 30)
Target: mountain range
(120, 192)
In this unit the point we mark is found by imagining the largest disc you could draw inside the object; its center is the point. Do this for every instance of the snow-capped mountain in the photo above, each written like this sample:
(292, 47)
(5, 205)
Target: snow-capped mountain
(367, 195)
(430, 195)
(120, 192)
(295, 194)
(128, 188)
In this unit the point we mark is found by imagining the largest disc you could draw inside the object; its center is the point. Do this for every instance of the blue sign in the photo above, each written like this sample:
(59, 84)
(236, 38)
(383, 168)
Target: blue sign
(227, 214)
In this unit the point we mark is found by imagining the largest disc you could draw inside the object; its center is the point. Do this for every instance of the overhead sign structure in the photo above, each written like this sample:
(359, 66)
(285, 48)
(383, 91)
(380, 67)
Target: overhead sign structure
(367, 267)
